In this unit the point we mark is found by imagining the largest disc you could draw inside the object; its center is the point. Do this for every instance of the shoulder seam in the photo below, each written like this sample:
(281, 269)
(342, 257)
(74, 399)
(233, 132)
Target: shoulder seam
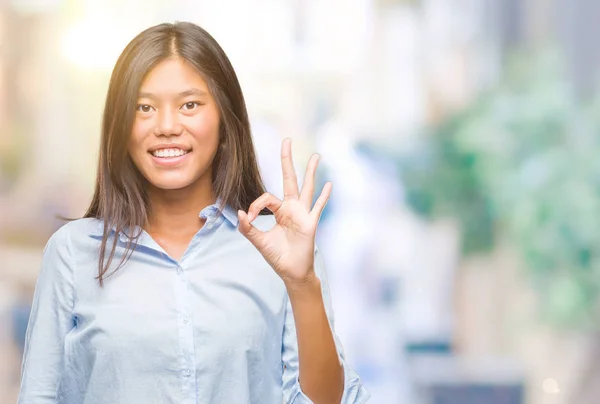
(72, 264)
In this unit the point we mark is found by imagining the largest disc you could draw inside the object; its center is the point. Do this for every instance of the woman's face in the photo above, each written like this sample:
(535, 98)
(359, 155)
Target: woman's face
(176, 130)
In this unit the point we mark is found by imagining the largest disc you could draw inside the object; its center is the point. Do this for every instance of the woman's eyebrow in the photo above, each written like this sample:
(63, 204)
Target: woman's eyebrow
(192, 91)
(186, 93)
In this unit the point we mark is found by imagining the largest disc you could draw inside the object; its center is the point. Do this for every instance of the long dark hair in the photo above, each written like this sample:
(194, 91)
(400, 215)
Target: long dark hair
(120, 197)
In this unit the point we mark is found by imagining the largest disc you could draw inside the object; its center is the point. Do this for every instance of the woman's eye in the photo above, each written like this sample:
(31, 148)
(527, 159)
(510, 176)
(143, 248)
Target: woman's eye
(190, 105)
(144, 108)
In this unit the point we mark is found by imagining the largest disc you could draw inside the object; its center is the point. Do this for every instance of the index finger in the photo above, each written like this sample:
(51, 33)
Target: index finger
(290, 182)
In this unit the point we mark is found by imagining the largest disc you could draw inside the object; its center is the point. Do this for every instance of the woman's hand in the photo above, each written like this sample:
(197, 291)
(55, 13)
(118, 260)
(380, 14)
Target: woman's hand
(289, 246)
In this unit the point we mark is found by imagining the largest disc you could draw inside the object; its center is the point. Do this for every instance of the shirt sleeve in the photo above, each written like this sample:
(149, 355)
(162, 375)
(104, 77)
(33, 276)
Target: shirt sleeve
(49, 322)
(354, 391)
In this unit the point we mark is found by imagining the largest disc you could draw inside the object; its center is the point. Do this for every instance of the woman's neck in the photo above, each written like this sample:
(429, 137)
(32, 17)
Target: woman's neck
(174, 214)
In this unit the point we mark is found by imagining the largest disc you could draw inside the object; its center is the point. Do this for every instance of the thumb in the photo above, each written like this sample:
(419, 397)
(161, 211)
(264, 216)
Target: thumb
(253, 235)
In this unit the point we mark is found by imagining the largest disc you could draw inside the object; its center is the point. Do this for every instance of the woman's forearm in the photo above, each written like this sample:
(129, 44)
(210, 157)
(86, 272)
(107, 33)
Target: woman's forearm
(321, 373)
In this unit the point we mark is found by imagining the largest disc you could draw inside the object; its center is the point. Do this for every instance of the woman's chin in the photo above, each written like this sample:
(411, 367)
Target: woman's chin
(173, 180)
(165, 184)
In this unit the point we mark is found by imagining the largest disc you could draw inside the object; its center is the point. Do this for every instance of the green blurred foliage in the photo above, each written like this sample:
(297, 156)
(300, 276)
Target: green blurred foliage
(523, 163)
(14, 151)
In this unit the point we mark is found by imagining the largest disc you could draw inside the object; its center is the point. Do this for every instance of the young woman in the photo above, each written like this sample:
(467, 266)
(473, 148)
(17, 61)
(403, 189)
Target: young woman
(185, 282)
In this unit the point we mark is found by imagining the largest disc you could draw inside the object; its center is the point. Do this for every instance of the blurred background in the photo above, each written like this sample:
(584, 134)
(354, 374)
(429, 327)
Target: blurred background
(462, 239)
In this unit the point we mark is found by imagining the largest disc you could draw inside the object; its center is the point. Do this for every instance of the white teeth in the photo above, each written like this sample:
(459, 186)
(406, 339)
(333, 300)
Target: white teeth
(168, 153)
